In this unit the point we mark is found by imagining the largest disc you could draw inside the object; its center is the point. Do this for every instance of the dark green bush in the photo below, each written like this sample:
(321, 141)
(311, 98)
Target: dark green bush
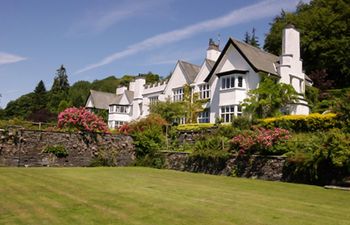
(319, 158)
(214, 147)
(243, 122)
(57, 150)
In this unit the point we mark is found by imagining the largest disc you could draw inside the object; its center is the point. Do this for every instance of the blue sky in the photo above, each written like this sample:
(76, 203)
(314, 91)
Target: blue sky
(96, 39)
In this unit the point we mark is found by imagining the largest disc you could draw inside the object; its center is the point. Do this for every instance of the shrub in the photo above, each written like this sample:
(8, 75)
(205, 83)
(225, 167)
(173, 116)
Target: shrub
(302, 123)
(81, 119)
(194, 126)
(148, 135)
(215, 147)
(243, 122)
(57, 150)
(319, 157)
(260, 140)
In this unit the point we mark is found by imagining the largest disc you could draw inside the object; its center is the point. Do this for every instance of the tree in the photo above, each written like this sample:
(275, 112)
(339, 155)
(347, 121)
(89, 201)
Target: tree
(40, 98)
(269, 98)
(79, 92)
(168, 110)
(251, 39)
(325, 37)
(60, 82)
(192, 104)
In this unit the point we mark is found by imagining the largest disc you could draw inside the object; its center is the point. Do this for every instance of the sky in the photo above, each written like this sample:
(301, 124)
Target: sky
(95, 39)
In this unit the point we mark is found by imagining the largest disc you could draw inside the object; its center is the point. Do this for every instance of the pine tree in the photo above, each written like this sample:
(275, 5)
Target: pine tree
(251, 39)
(39, 97)
(60, 82)
(40, 88)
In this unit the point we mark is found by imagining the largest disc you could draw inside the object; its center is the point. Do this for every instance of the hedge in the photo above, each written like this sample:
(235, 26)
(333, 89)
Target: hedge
(194, 126)
(303, 123)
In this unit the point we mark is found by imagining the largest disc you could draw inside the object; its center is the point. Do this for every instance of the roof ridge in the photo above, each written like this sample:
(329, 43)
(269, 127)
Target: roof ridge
(182, 61)
(251, 46)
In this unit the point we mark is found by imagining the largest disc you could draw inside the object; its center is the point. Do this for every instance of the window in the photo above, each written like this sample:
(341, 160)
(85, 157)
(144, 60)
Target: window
(153, 99)
(178, 94)
(118, 123)
(240, 81)
(180, 120)
(204, 91)
(203, 117)
(227, 112)
(228, 82)
(239, 110)
(118, 109)
(111, 109)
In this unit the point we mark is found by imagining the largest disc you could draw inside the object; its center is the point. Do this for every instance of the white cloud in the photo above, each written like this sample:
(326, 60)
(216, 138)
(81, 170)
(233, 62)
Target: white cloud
(249, 13)
(7, 58)
(99, 20)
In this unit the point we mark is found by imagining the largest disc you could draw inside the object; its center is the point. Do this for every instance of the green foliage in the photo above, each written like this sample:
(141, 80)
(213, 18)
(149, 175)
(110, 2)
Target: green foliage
(20, 107)
(303, 123)
(251, 39)
(105, 157)
(324, 27)
(211, 147)
(60, 82)
(311, 96)
(58, 150)
(319, 157)
(40, 97)
(148, 135)
(269, 98)
(194, 126)
(168, 110)
(342, 107)
(192, 104)
(79, 92)
(243, 122)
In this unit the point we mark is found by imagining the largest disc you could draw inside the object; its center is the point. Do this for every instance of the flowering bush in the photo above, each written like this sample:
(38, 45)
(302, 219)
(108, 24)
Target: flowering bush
(264, 141)
(81, 119)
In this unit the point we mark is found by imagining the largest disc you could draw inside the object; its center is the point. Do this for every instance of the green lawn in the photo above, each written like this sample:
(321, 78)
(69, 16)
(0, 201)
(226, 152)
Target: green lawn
(159, 197)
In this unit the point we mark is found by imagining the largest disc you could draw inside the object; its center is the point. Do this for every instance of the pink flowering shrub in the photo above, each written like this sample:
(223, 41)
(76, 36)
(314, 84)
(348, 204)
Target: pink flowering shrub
(261, 140)
(81, 119)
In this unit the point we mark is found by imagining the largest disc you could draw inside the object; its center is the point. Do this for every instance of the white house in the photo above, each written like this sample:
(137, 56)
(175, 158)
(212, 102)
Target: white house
(224, 78)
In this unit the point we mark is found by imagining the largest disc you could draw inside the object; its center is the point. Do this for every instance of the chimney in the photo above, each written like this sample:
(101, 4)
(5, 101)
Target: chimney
(140, 82)
(213, 50)
(291, 42)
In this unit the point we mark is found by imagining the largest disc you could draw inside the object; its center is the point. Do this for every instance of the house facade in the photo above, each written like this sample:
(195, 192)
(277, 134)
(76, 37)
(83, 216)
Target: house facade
(224, 78)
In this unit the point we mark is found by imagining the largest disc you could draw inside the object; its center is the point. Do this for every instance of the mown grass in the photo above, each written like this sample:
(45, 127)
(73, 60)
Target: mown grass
(149, 196)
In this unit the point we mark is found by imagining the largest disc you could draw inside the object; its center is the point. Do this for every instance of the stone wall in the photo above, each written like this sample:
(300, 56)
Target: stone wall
(261, 167)
(26, 148)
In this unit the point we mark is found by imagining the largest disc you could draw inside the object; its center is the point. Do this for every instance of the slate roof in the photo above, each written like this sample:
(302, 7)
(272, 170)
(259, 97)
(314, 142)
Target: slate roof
(101, 100)
(261, 60)
(117, 98)
(190, 70)
(258, 59)
(210, 63)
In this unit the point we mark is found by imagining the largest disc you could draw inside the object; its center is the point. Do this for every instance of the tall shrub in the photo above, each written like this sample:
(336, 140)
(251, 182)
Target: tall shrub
(81, 119)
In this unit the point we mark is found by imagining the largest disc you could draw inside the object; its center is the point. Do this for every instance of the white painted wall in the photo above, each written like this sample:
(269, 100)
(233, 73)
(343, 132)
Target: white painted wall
(231, 61)
(177, 80)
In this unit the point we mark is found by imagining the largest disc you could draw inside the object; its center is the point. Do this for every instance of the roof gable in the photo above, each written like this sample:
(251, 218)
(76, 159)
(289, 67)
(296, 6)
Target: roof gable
(100, 100)
(258, 59)
(190, 70)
